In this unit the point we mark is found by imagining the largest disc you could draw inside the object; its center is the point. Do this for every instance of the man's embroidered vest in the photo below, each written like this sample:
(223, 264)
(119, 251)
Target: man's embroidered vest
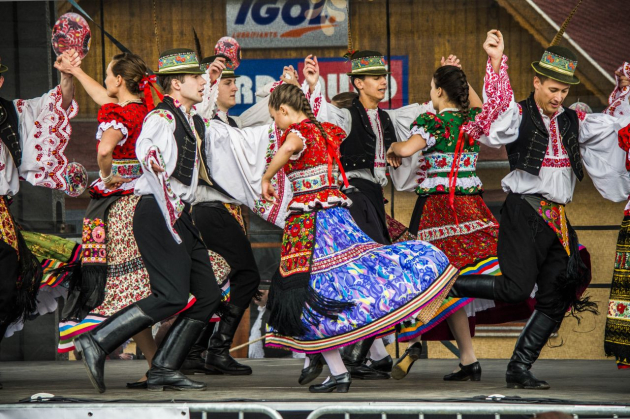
(9, 130)
(528, 151)
(359, 148)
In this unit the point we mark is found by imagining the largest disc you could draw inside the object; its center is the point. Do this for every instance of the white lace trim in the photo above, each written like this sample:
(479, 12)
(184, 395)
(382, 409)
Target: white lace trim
(430, 139)
(104, 126)
(299, 134)
(331, 202)
(442, 232)
(465, 182)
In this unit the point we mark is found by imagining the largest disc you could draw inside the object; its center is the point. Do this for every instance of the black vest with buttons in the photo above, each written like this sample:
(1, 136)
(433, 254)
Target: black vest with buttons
(187, 146)
(359, 148)
(9, 130)
(529, 149)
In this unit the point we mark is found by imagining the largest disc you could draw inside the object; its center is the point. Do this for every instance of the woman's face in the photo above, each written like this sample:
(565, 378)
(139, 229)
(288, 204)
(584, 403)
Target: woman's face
(435, 93)
(112, 83)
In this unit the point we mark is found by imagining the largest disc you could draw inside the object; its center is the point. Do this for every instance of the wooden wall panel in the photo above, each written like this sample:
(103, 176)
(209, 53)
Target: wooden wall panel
(425, 30)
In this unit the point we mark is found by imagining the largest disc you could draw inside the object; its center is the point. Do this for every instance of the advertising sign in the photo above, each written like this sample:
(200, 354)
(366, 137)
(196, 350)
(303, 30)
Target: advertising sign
(257, 73)
(287, 23)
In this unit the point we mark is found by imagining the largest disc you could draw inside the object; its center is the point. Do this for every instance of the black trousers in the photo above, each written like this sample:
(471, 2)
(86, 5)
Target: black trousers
(175, 270)
(530, 254)
(223, 234)
(368, 209)
(9, 269)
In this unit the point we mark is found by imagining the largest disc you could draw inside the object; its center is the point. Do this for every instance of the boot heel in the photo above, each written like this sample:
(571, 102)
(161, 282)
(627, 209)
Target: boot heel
(155, 388)
(343, 388)
(475, 377)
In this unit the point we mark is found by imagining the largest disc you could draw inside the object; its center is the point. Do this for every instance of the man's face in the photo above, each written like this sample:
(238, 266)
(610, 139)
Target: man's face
(373, 86)
(191, 89)
(1, 81)
(227, 94)
(550, 95)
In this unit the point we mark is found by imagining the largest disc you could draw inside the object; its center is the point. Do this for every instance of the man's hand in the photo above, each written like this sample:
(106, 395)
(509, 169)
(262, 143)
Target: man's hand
(268, 191)
(156, 168)
(623, 79)
(451, 60)
(311, 71)
(494, 47)
(393, 159)
(216, 68)
(290, 76)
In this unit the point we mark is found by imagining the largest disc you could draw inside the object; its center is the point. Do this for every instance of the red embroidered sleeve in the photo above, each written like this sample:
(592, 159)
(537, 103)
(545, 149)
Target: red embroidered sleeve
(499, 93)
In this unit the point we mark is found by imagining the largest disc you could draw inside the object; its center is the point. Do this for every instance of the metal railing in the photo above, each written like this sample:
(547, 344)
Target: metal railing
(240, 408)
(460, 409)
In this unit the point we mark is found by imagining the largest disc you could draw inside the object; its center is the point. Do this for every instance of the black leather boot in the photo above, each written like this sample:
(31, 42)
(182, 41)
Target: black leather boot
(95, 345)
(474, 286)
(405, 362)
(533, 338)
(340, 382)
(3, 329)
(315, 367)
(164, 373)
(195, 363)
(355, 361)
(218, 358)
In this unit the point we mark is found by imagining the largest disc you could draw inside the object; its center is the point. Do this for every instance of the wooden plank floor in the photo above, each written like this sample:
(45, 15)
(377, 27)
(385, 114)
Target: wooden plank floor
(275, 382)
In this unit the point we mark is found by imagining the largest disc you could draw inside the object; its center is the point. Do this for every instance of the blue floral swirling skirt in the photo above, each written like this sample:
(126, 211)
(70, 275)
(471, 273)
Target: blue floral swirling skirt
(386, 284)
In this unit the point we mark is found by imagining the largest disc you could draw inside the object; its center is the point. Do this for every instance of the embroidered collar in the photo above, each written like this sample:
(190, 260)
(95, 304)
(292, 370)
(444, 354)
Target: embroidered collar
(223, 116)
(179, 105)
(449, 110)
(554, 116)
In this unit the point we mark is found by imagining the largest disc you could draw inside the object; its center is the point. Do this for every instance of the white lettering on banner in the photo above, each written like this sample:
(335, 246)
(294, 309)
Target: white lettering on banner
(246, 95)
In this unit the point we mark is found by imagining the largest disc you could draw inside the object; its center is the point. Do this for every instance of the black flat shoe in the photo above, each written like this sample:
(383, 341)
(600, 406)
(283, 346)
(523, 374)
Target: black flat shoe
(314, 369)
(383, 365)
(138, 385)
(366, 372)
(402, 367)
(340, 382)
(471, 372)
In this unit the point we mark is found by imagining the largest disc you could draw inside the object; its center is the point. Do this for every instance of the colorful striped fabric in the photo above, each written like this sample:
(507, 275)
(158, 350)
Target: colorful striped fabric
(409, 330)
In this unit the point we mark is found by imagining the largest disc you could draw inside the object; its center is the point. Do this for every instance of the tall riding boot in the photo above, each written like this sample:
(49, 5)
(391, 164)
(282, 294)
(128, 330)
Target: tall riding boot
(195, 363)
(355, 361)
(95, 345)
(528, 346)
(218, 358)
(474, 286)
(3, 329)
(164, 373)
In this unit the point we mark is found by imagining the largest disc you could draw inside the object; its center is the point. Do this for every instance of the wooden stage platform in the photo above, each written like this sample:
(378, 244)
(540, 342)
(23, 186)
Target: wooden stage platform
(274, 383)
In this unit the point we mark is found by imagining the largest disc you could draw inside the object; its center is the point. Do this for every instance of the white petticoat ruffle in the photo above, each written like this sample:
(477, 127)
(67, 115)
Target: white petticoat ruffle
(464, 182)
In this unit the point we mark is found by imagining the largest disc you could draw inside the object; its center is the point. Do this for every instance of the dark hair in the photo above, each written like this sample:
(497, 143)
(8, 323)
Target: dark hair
(131, 68)
(542, 78)
(165, 81)
(344, 100)
(353, 79)
(293, 97)
(453, 81)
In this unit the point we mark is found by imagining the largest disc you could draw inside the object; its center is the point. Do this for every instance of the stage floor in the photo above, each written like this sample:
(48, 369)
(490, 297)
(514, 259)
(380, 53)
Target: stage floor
(274, 383)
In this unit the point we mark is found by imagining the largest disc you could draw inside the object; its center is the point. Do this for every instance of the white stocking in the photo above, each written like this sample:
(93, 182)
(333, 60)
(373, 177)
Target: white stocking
(377, 350)
(335, 364)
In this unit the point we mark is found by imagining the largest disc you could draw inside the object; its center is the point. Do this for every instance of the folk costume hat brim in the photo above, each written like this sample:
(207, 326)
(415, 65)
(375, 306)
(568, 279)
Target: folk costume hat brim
(178, 61)
(368, 63)
(3, 68)
(558, 63)
(228, 73)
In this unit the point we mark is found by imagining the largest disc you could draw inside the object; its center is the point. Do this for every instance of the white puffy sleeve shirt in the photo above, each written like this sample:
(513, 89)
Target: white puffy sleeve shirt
(498, 124)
